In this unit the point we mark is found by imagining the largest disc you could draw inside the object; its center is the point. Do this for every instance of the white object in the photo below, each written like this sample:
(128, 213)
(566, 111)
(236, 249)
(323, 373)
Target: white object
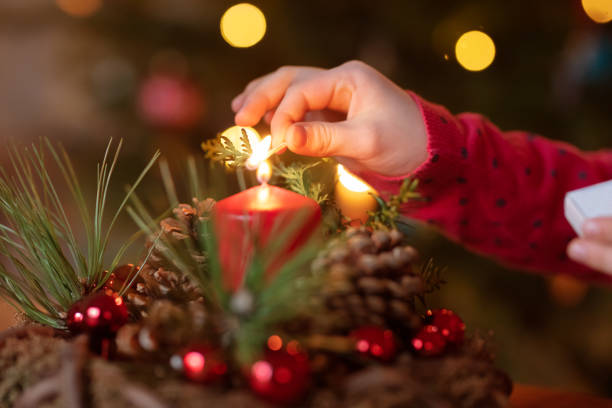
(588, 202)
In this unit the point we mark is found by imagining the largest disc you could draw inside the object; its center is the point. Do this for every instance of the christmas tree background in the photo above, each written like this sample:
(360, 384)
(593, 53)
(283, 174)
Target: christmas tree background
(82, 79)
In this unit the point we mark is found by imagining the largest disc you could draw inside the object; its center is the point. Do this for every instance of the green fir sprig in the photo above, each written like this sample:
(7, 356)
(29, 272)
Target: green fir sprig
(296, 177)
(47, 270)
(388, 212)
(221, 149)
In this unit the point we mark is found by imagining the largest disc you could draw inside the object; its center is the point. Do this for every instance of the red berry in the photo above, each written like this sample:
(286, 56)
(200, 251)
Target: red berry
(75, 320)
(203, 364)
(281, 376)
(429, 341)
(103, 314)
(374, 341)
(451, 326)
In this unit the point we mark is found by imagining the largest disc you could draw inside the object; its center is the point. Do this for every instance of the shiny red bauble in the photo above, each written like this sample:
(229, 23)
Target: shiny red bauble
(170, 102)
(101, 314)
(374, 341)
(203, 364)
(450, 325)
(429, 341)
(281, 376)
(75, 320)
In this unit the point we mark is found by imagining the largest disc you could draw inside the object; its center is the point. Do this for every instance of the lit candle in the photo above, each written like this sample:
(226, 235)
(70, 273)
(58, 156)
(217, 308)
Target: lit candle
(258, 215)
(354, 196)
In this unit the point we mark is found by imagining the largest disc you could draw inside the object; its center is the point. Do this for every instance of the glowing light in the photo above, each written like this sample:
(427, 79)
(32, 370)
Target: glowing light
(293, 347)
(417, 344)
(243, 25)
(78, 317)
(264, 172)
(275, 343)
(475, 50)
(93, 312)
(351, 182)
(79, 8)
(261, 150)
(194, 361)
(262, 371)
(376, 350)
(118, 301)
(362, 346)
(599, 11)
(234, 134)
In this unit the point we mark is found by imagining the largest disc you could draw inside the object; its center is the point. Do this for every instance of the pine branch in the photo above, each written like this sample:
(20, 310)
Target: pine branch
(222, 150)
(296, 177)
(388, 212)
(47, 271)
(432, 278)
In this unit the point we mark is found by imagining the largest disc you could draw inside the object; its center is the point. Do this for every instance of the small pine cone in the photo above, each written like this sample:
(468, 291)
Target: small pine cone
(166, 328)
(370, 279)
(159, 277)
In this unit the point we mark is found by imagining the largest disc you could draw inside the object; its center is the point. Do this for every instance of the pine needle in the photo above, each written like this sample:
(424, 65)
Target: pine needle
(47, 271)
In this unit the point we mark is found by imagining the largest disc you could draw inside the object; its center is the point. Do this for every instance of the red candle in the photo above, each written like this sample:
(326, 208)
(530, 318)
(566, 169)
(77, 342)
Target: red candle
(258, 216)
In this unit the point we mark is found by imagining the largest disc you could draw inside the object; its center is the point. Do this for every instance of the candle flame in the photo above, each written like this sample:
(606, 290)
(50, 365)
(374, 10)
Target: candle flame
(260, 152)
(264, 172)
(352, 182)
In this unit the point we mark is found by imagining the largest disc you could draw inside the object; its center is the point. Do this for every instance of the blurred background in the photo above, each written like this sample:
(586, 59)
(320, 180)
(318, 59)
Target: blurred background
(161, 74)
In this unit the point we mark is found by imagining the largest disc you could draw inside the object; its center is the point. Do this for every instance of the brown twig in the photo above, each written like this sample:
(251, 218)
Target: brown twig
(73, 357)
(67, 382)
(141, 398)
(21, 332)
(33, 396)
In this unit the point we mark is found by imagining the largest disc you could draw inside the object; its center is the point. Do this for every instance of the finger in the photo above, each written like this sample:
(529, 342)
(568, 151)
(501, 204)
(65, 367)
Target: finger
(265, 96)
(268, 116)
(591, 253)
(325, 91)
(321, 139)
(240, 98)
(598, 229)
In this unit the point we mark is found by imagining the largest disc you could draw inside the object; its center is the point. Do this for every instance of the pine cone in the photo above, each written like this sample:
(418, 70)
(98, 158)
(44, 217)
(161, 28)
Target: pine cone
(371, 281)
(160, 278)
(166, 328)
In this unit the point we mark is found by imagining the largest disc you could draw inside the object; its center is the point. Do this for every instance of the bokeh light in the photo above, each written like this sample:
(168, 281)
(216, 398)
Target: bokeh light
(275, 342)
(475, 50)
(599, 11)
(79, 8)
(243, 25)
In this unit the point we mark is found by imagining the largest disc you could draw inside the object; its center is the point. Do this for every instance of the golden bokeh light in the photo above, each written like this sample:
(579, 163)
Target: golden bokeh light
(234, 134)
(79, 8)
(599, 11)
(475, 50)
(243, 25)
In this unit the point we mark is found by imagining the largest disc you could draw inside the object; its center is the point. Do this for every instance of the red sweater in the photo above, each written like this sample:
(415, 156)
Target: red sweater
(500, 193)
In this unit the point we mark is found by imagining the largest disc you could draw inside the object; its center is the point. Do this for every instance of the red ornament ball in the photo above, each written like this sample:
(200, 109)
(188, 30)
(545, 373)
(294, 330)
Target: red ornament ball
(75, 320)
(203, 363)
(170, 102)
(429, 341)
(100, 314)
(282, 376)
(451, 326)
(374, 341)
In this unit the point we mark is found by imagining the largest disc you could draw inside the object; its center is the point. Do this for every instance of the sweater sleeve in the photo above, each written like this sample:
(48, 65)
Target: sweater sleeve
(500, 193)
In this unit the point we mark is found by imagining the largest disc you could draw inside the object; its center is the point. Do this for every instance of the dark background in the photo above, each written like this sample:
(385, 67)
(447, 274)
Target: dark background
(81, 80)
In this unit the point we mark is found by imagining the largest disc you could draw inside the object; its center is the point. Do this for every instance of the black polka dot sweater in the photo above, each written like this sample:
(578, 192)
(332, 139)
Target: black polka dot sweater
(500, 193)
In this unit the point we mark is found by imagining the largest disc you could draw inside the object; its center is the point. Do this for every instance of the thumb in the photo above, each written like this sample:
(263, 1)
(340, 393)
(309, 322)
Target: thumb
(320, 139)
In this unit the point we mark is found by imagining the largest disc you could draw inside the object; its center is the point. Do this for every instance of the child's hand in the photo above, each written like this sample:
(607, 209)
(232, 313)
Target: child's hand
(380, 127)
(594, 248)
